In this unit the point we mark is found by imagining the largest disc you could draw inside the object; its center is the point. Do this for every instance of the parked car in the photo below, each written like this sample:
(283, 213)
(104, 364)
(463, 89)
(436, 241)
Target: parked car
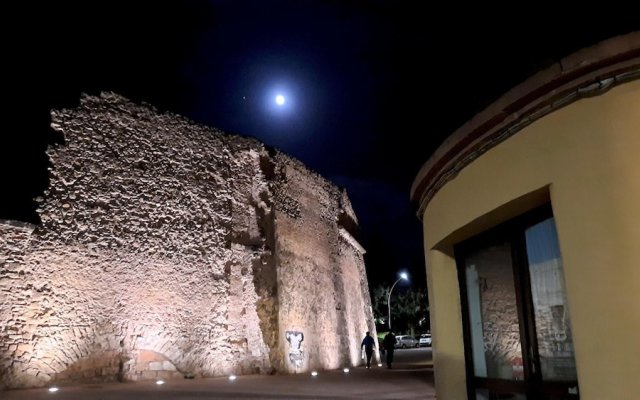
(425, 340)
(404, 341)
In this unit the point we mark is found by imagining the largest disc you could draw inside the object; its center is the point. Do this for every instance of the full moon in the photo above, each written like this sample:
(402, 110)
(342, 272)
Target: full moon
(280, 99)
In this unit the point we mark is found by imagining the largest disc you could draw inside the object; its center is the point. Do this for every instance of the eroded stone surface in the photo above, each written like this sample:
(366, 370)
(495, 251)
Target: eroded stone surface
(169, 249)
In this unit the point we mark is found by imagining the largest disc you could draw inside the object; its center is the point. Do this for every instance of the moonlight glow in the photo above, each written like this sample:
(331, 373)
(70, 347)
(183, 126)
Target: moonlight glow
(280, 100)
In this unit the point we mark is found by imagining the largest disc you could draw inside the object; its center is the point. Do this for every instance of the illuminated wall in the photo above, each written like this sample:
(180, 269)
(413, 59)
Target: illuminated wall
(331, 277)
(169, 249)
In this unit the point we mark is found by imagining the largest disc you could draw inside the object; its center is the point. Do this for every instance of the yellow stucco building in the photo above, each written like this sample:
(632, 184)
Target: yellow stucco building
(531, 220)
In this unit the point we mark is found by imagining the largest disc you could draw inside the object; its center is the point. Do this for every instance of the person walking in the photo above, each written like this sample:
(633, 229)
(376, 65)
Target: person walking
(389, 343)
(368, 344)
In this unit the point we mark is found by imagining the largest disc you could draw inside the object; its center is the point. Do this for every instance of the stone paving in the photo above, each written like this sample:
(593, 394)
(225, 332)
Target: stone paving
(410, 378)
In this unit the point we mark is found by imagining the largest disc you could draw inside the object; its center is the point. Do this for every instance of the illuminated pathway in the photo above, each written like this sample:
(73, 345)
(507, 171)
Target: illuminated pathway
(410, 378)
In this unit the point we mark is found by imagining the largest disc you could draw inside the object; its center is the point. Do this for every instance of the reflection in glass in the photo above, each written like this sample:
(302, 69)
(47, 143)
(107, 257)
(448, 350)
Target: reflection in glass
(493, 315)
(553, 328)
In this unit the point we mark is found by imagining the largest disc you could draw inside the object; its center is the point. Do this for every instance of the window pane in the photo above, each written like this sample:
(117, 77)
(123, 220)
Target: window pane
(493, 315)
(553, 327)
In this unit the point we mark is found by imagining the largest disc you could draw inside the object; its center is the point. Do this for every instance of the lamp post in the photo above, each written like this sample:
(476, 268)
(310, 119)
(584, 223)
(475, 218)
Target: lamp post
(402, 276)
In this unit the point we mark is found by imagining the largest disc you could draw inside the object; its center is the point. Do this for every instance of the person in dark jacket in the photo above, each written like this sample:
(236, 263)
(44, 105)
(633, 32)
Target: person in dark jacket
(389, 343)
(368, 344)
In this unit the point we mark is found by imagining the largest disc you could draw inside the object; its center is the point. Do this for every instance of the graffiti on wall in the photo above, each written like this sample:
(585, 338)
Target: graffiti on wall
(296, 354)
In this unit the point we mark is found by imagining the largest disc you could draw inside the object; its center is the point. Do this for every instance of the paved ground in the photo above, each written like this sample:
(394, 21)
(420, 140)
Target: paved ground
(410, 378)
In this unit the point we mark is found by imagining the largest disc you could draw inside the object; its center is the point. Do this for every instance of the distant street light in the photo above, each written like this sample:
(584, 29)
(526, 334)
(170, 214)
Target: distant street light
(402, 276)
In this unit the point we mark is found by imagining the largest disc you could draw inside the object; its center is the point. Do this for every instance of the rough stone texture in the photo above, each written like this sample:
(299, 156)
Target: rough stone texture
(169, 249)
(499, 330)
(321, 278)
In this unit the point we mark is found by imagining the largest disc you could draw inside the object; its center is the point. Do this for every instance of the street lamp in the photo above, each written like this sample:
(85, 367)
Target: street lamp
(402, 276)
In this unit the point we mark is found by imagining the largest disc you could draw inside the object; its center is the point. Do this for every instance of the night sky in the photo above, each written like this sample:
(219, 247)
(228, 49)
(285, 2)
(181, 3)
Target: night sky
(372, 87)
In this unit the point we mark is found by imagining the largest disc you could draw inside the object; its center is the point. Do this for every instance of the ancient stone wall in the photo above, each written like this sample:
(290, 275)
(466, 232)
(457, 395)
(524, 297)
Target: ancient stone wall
(168, 249)
(325, 264)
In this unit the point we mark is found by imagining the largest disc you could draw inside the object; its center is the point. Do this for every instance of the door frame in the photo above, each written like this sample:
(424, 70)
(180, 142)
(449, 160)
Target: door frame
(532, 386)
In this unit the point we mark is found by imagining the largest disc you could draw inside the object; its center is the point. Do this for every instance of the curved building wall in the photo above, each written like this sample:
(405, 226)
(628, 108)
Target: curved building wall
(587, 156)
(168, 249)
(584, 159)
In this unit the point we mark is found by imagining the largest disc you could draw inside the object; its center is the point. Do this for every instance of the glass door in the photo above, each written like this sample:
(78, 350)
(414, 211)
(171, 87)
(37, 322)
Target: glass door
(554, 364)
(516, 320)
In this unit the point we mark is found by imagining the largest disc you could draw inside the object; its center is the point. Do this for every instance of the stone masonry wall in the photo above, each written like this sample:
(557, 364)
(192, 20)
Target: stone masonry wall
(323, 265)
(168, 249)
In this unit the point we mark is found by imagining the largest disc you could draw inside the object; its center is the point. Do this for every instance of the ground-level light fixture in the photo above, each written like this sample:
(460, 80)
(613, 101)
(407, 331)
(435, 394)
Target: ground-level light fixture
(53, 389)
(159, 382)
(232, 378)
(314, 373)
(346, 370)
(379, 364)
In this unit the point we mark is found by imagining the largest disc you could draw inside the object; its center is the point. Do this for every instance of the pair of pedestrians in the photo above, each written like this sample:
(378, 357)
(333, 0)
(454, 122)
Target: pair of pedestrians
(388, 345)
